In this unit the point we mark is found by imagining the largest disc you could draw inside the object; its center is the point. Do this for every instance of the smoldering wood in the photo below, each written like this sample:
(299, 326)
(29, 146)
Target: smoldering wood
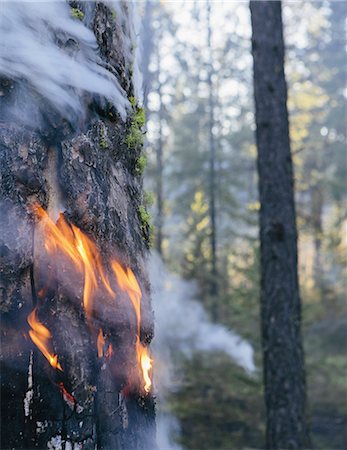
(88, 168)
(284, 374)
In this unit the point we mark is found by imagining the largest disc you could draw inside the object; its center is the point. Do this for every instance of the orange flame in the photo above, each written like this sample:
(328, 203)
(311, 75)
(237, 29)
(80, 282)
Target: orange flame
(70, 241)
(146, 365)
(100, 343)
(40, 335)
(109, 351)
(70, 400)
(128, 283)
(80, 249)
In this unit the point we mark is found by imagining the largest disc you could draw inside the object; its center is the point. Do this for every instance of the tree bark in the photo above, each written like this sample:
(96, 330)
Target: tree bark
(89, 168)
(284, 373)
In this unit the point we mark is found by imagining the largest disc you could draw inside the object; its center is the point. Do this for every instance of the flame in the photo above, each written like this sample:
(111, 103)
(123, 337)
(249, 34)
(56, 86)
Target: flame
(128, 283)
(109, 352)
(69, 399)
(70, 241)
(146, 366)
(100, 343)
(40, 335)
(67, 239)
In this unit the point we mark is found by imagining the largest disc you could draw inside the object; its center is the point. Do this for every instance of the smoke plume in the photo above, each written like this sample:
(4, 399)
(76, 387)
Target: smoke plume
(50, 53)
(183, 326)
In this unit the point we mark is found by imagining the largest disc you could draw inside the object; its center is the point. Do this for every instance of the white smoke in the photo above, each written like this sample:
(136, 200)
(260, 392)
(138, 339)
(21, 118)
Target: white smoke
(30, 52)
(128, 16)
(183, 326)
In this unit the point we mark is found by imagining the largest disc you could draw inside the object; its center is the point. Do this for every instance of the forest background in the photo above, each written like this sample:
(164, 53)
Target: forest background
(197, 55)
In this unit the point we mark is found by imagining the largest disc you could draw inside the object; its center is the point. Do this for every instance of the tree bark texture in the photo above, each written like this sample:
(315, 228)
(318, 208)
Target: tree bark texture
(90, 169)
(284, 373)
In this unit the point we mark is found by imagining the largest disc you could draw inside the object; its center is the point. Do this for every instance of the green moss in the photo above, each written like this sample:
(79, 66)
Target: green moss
(148, 199)
(103, 143)
(145, 217)
(77, 13)
(146, 226)
(139, 117)
(114, 14)
(132, 101)
(141, 164)
(135, 136)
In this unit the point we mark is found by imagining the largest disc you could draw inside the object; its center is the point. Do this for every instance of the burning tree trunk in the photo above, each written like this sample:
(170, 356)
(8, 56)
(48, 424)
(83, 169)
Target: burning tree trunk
(284, 373)
(75, 307)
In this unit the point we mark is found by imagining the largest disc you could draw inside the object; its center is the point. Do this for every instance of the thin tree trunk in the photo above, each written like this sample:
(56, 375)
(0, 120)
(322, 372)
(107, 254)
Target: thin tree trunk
(87, 170)
(317, 225)
(284, 374)
(212, 164)
(160, 167)
(147, 49)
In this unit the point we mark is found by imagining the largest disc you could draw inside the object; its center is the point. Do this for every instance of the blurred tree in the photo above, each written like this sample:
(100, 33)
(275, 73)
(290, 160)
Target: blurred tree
(316, 71)
(212, 163)
(284, 375)
(158, 26)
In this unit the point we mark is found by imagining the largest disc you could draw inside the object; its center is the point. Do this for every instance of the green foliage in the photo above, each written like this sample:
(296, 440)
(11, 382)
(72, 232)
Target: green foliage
(77, 13)
(326, 367)
(217, 395)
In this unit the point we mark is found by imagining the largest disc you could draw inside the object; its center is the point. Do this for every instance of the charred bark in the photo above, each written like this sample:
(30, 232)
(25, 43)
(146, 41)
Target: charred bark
(87, 170)
(284, 373)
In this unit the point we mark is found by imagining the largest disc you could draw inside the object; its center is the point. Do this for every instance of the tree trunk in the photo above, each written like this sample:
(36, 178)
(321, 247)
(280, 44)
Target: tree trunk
(284, 374)
(212, 167)
(159, 165)
(317, 202)
(147, 50)
(87, 170)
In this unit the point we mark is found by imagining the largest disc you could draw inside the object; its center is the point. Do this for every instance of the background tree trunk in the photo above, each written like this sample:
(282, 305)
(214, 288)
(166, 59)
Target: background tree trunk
(212, 165)
(159, 188)
(90, 168)
(284, 374)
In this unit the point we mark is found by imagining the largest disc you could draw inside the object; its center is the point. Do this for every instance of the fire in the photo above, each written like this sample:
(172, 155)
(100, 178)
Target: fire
(68, 240)
(146, 365)
(100, 343)
(69, 399)
(40, 335)
(109, 351)
(128, 283)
